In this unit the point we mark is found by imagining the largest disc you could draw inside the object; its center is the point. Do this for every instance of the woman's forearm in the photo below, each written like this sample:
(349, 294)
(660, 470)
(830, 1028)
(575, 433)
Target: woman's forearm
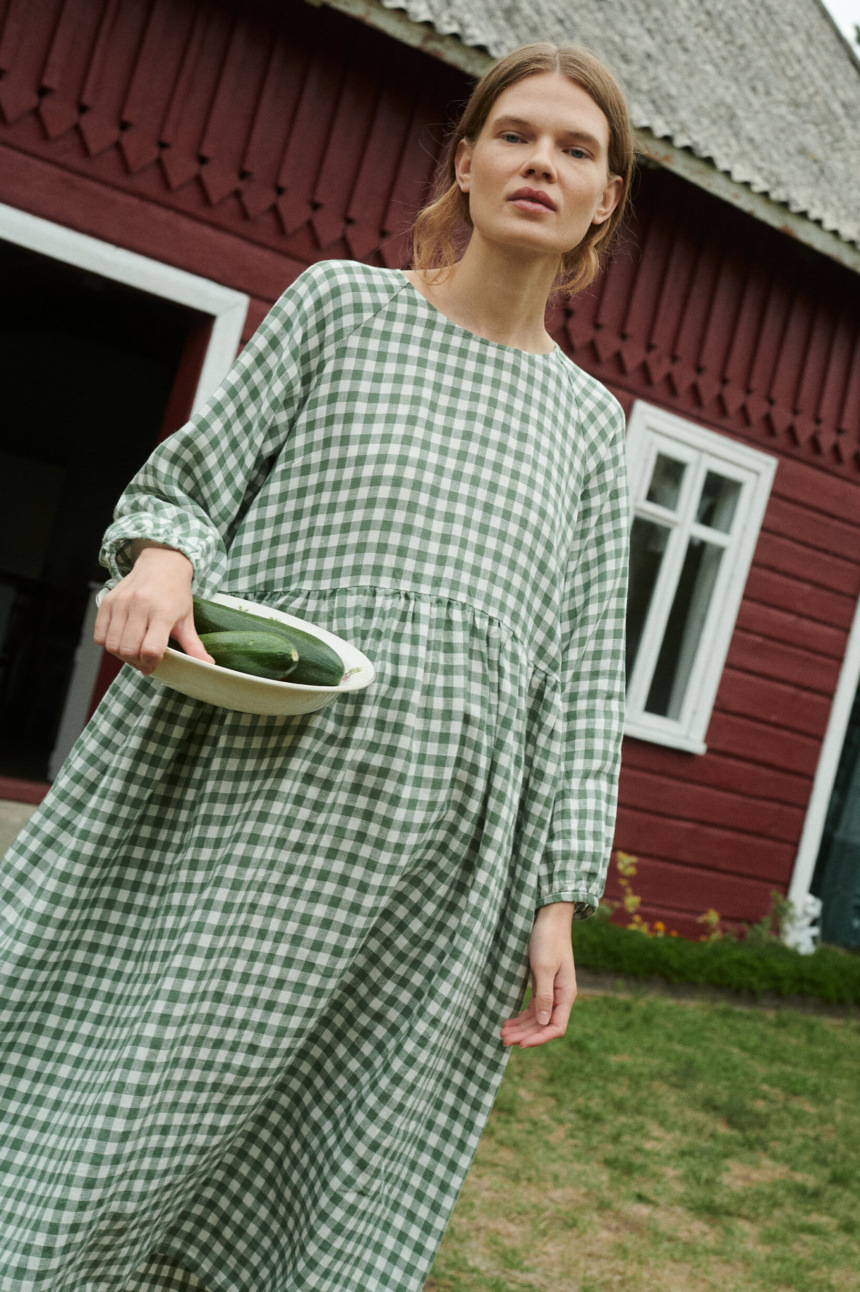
(138, 545)
(555, 915)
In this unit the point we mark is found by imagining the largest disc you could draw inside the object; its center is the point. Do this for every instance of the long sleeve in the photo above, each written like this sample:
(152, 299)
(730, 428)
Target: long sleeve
(576, 857)
(195, 487)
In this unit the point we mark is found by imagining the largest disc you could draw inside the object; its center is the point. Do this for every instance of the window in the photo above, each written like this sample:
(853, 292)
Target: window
(698, 503)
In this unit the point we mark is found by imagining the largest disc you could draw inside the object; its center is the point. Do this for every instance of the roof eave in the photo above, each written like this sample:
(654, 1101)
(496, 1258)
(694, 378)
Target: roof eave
(420, 35)
(449, 49)
(705, 175)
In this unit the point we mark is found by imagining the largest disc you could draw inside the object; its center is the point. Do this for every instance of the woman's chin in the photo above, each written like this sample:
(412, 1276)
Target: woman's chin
(525, 243)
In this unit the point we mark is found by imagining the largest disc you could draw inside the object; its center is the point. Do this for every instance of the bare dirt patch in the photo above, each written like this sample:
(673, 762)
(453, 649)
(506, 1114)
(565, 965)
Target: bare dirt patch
(743, 1175)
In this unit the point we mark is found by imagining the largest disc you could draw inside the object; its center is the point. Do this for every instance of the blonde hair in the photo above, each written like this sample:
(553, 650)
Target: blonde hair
(439, 228)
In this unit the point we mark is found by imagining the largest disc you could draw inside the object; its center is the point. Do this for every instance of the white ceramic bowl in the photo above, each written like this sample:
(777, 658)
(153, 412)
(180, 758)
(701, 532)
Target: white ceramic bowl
(231, 690)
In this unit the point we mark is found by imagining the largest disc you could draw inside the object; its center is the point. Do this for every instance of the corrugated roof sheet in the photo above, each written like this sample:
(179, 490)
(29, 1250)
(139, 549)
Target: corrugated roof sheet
(768, 91)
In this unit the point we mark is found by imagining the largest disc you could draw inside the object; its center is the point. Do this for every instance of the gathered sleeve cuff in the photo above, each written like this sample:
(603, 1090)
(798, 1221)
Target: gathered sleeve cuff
(576, 857)
(583, 905)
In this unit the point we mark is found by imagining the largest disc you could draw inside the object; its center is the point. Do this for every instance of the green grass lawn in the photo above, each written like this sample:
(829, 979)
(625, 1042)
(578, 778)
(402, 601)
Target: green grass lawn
(665, 1146)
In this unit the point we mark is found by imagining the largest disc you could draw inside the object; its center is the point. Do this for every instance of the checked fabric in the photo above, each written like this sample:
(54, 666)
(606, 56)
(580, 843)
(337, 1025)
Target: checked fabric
(253, 970)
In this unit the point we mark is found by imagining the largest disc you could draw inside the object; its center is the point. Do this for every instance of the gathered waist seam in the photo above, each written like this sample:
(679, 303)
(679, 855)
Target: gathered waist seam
(423, 594)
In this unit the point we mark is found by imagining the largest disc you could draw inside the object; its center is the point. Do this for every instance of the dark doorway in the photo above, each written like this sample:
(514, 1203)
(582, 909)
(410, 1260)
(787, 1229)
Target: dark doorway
(837, 871)
(90, 365)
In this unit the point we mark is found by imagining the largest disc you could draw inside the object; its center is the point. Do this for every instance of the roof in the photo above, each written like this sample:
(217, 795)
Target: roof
(766, 91)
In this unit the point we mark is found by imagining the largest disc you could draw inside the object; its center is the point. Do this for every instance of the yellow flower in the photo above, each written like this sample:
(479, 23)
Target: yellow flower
(626, 863)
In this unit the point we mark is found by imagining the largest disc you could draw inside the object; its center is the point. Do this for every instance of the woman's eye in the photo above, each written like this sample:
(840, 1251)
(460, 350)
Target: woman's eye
(510, 136)
(577, 152)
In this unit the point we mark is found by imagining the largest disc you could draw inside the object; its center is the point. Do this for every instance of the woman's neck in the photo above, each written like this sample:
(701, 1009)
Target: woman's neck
(497, 296)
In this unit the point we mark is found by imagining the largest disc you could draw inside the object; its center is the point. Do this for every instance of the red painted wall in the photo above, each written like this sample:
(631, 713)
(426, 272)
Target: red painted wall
(244, 145)
(736, 326)
(238, 142)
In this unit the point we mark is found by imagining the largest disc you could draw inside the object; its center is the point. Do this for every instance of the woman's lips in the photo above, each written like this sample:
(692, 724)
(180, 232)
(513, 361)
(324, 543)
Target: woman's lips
(528, 199)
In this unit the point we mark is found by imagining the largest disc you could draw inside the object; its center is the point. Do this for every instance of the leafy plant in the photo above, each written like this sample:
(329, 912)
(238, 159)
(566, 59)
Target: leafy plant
(771, 927)
(749, 967)
(627, 865)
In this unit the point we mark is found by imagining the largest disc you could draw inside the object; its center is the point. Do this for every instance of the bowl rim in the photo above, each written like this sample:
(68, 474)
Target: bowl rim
(352, 682)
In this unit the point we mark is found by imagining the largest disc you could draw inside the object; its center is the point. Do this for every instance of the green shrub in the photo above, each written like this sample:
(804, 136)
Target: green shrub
(754, 967)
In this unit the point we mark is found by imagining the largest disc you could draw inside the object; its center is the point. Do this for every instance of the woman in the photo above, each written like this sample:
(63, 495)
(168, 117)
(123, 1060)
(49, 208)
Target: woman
(261, 974)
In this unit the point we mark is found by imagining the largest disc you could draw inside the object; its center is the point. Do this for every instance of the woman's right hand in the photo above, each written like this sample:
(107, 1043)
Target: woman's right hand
(151, 604)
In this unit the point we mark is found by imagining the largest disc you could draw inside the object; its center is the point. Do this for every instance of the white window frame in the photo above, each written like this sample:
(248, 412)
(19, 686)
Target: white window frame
(650, 431)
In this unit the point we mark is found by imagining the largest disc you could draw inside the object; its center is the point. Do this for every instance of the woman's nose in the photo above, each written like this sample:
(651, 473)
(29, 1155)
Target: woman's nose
(540, 163)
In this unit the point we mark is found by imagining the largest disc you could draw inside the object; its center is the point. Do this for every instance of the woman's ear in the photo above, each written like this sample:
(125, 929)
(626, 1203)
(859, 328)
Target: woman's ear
(463, 165)
(609, 200)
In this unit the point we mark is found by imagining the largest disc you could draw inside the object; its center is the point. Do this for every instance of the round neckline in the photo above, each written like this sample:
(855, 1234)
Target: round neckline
(475, 336)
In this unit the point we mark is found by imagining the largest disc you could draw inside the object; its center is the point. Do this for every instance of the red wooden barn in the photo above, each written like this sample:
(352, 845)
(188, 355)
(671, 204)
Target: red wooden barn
(167, 167)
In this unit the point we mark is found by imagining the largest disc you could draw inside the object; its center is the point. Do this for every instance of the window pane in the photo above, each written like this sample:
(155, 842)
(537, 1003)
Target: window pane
(647, 545)
(718, 502)
(684, 629)
(665, 487)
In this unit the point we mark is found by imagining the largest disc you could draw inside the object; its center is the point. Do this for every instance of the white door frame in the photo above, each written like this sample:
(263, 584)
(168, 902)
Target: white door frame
(228, 310)
(828, 764)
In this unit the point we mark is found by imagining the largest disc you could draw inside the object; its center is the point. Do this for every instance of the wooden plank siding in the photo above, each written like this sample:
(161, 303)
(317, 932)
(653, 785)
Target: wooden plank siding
(286, 126)
(243, 143)
(732, 325)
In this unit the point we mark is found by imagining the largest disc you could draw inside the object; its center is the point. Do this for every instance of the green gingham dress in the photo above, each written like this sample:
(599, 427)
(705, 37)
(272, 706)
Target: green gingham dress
(253, 969)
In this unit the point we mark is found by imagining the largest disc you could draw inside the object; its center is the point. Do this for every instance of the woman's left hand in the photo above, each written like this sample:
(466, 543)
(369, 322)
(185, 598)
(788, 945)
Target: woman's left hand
(553, 980)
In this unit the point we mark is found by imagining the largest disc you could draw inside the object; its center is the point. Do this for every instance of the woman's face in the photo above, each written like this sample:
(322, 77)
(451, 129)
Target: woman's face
(538, 174)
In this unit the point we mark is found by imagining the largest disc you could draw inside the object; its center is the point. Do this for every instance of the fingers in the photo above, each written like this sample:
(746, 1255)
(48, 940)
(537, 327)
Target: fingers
(140, 639)
(525, 1031)
(543, 990)
(546, 1016)
(137, 617)
(132, 635)
(186, 634)
(102, 623)
(137, 633)
(152, 647)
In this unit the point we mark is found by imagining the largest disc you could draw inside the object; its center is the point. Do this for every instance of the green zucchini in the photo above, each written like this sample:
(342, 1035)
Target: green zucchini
(318, 664)
(269, 655)
(212, 617)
